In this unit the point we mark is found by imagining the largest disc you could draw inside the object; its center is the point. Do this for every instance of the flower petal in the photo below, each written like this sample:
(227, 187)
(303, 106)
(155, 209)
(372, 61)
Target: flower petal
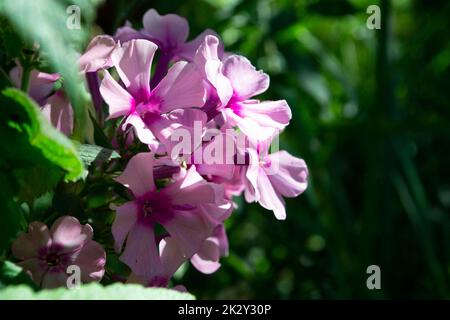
(143, 133)
(245, 79)
(91, 260)
(288, 174)
(98, 54)
(54, 279)
(168, 31)
(120, 102)
(207, 259)
(126, 218)
(171, 256)
(182, 87)
(133, 62)
(269, 198)
(70, 234)
(189, 228)
(141, 253)
(188, 50)
(138, 175)
(191, 189)
(59, 112)
(274, 114)
(28, 244)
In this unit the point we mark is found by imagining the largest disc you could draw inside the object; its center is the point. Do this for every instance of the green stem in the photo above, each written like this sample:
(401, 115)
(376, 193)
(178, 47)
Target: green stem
(25, 78)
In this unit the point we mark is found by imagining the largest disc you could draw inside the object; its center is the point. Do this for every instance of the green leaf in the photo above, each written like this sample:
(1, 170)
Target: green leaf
(34, 138)
(45, 22)
(116, 291)
(91, 153)
(12, 274)
(11, 217)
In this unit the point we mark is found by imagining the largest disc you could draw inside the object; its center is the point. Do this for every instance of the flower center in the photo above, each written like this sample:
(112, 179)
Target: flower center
(52, 259)
(147, 209)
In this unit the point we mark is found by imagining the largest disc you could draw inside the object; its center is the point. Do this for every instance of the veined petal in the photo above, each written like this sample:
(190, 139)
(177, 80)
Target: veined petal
(120, 102)
(143, 133)
(274, 114)
(245, 79)
(189, 228)
(182, 87)
(126, 218)
(133, 62)
(141, 253)
(269, 198)
(191, 189)
(59, 112)
(288, 174)
(98, 54)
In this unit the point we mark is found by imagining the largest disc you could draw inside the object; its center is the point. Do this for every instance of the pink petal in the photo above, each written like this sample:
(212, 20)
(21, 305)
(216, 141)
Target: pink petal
(35, 268)
(248, 126)
(127, 33)
(91, 260)
(188, 50)
(141, 253)
(133, 62)
(54, 279)
(169, 30)
(58, 111)
(138, 175)
(182, 87)
(98, 54)
(171, 256)
(126, 218)
(189, 228)
(70, 234)
(288, 174)
(274, 114)
(40, 85)
(219, 81)
(251, 175)
(245, 79)
(143, 133)
(120, 102)
(191, 189)
(221, 235)
(207, 259)
(269, 198)
(28, 244)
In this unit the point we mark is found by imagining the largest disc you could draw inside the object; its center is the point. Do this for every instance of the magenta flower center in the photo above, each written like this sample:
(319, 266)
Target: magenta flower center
(52, 259)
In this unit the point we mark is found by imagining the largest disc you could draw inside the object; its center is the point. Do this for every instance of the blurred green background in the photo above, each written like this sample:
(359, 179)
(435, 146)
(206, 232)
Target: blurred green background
(370, 117)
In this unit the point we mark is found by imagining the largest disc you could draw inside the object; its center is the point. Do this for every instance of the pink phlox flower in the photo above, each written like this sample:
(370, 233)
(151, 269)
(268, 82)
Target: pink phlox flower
(145, 108)
(46, 254)
(270, 177)
(178, 207)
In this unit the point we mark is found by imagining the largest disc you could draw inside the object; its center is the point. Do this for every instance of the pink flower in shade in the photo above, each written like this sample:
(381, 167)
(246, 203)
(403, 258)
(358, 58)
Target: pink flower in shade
(214, 247)
(54, 104)
(270, 177)
(146, 108)
(236, 82)
(169, 32)
(177, 207)
(46, 254)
